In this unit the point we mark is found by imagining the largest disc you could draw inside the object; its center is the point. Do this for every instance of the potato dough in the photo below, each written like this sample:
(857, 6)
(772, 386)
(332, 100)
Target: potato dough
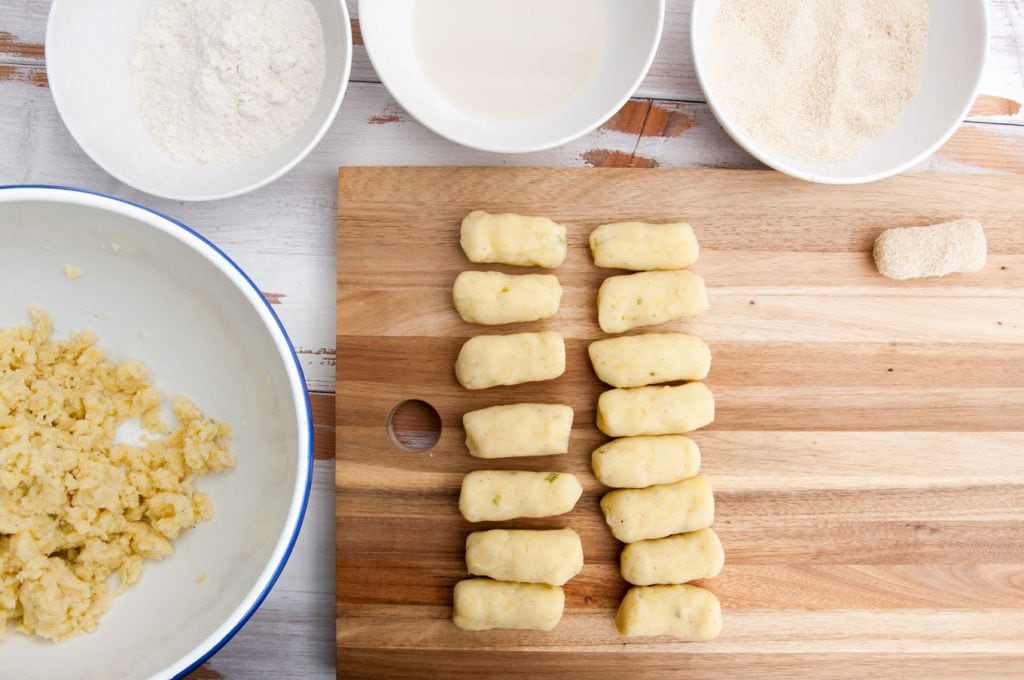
(491, 360)
(550, 556)
(518, 430)
(483, 604)
(513, 239)
(685, 612)
(492, 298)
(496, 495)
(638, 360)
(659, 511)
(655, 410)
(643, 247)
(80, 513)
(638, 462)
(915, 252)
(649, 298)
(676, 559)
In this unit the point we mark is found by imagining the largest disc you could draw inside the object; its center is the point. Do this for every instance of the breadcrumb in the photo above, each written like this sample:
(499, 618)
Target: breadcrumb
(72, 272)
(937, 250)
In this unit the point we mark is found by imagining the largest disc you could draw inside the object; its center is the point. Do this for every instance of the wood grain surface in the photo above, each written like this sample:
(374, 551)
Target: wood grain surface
(866, 455)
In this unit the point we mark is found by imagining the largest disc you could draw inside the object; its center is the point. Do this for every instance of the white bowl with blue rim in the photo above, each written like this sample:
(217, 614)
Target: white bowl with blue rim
(158, 292)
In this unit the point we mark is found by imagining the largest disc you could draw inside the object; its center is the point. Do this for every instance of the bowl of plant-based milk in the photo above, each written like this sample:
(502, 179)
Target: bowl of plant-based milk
(841, 92)
(198, 99)
(511, 76)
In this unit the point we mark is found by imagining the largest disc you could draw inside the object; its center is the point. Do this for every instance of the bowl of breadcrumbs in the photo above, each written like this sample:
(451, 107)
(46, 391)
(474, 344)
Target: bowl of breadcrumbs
(844, 91)
(155, 448)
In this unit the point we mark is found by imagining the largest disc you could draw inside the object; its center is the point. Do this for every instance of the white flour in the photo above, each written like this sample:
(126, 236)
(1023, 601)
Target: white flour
(818, 79)
(219, 81)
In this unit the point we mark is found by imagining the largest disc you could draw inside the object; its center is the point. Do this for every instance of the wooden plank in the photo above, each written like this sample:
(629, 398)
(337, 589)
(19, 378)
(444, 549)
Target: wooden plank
(22, 31)
(1003, 77)
(756, 632)
(913, 542)
(322, 406)
(401, 664)
(865, 452)
(812, 586)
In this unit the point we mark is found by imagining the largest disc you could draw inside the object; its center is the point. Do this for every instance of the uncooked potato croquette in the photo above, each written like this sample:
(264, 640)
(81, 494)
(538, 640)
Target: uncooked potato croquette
(640, 246)
(937, 250)
(673, 409)
(638, 462)
(483, 604)
(673, 559)
(493, 298)
(659, 511)
(649, 298)
(491, 360)
(686, 612)
(518, 430)
(551, 556)
(80, 513)
(649, 359)
(496, 495)
(508, 238)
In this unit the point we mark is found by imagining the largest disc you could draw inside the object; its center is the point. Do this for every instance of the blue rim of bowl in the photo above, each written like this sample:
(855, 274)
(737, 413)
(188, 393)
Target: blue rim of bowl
(205, 656)
(736, 132)
(553, 144)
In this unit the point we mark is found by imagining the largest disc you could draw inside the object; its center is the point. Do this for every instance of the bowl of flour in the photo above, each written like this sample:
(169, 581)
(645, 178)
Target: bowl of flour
(198, 99)
(840, 91)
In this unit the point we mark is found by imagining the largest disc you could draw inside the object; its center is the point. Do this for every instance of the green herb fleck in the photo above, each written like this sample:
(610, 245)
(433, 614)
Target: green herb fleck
(652, 372)
(551, 478)
(52, 516)
(496, 499)
(505, 289)
(639, 301)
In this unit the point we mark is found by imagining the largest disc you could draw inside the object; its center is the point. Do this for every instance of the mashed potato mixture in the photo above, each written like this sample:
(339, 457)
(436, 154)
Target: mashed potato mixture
(77, 508)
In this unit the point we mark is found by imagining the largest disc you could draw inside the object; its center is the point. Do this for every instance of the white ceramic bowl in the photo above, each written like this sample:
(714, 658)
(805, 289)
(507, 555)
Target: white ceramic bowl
(89, 44)
(634, 30)
(953, 64)
(173, 301)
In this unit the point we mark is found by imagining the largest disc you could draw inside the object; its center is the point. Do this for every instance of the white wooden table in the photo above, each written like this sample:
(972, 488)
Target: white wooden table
(284, 237)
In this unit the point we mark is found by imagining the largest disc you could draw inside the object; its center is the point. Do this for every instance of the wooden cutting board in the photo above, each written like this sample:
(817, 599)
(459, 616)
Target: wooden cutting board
(867, 456)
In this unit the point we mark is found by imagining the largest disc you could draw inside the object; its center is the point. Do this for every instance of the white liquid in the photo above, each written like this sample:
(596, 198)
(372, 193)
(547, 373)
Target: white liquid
(509, 60)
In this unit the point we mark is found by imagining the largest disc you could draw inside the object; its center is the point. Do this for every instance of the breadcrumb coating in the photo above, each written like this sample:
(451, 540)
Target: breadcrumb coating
(937, 250)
